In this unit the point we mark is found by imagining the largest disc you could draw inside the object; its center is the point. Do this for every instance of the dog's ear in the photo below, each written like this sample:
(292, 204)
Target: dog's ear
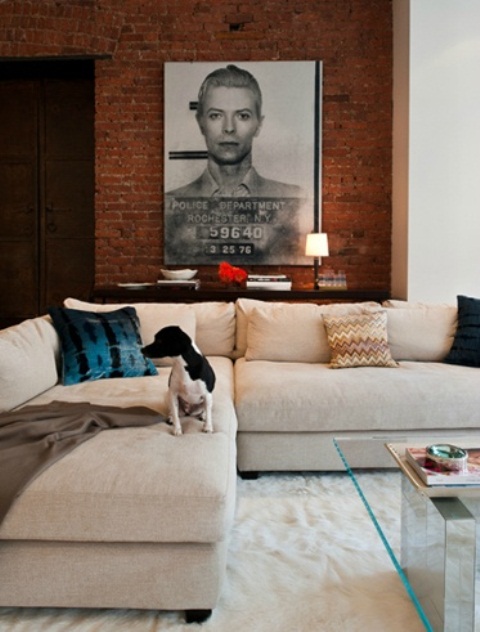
(179, 339)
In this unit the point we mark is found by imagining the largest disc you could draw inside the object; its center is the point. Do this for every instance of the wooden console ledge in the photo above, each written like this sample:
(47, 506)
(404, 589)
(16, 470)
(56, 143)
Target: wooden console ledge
(113, 293)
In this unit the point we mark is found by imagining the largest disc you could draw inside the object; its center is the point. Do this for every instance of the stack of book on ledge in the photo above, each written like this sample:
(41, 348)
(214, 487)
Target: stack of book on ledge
(434, 474)
(269, 282)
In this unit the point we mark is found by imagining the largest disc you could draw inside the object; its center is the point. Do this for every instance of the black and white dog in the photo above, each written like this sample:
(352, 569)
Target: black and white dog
(192, 378)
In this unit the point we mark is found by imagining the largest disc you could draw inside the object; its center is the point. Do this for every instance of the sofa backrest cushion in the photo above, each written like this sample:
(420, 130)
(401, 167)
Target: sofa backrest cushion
(152, 316)
(215, 327)
(287, 332)
(29, 354)
(281, 333)
(422, 333)
(244, 308)
(211, 324)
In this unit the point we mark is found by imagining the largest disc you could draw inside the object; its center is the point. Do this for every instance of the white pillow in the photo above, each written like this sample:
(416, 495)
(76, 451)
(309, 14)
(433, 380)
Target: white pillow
(243, 308)
(287, 333)
(423, 333)
(215, 333)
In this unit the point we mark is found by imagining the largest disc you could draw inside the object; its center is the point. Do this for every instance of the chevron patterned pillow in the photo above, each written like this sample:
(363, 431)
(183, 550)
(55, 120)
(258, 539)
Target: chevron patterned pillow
(358, 340)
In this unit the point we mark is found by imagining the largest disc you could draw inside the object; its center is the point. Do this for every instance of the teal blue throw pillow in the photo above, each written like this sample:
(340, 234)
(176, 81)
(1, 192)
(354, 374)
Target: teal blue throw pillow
(100, 345)
(466, 344)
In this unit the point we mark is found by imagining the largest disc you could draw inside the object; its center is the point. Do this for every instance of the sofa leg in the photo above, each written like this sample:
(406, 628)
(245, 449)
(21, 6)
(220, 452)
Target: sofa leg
(197, 616)
(251, 475)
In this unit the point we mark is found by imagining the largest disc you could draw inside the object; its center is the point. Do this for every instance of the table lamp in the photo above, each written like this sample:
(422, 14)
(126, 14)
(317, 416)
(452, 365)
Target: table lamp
(317, 246)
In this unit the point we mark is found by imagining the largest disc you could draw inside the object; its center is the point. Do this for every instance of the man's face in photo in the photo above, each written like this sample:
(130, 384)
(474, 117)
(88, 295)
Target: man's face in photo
(229, 122)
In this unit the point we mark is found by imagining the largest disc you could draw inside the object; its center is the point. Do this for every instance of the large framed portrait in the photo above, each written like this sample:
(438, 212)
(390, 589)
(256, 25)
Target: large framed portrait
(242, 161)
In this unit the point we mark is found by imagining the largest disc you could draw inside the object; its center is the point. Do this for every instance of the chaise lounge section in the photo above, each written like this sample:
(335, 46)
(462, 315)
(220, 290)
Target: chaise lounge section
(134, 517)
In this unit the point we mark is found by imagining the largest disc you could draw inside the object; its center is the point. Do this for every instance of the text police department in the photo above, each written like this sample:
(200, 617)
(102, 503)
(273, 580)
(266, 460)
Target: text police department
(231, 211)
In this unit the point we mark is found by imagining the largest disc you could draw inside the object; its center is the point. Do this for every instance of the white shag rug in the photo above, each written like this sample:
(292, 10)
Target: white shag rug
(304, 556)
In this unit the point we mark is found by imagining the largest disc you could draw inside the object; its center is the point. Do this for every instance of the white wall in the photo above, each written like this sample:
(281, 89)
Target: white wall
(436, 227)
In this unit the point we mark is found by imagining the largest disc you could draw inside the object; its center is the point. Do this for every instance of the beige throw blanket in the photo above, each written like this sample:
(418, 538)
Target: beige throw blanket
(34, 437)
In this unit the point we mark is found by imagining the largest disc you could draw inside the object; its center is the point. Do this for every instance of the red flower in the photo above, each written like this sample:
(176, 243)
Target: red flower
(231, 274)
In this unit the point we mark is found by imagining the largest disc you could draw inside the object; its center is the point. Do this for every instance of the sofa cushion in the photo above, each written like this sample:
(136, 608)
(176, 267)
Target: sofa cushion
(136, 484)
(466, 344)
(284, 397)
(98, 346)
(152, 316)
(215, 327)
(423, 332)
(211, 324)
(357, 340)
(244, 307)
(401, 304)
(286, 332)
(29, 354)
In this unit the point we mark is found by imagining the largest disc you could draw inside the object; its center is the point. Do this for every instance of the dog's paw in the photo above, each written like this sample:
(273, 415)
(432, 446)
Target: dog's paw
(177, 431)
(207, 428)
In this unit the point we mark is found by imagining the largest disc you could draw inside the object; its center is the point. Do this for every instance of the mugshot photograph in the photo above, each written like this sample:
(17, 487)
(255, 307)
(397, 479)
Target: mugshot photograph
(234, 196)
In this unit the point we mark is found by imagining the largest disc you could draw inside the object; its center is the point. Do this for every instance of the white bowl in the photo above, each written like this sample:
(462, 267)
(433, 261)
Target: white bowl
(179, 275)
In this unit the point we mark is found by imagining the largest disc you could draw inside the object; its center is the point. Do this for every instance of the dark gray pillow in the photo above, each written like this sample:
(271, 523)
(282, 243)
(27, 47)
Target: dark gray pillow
(466, 344)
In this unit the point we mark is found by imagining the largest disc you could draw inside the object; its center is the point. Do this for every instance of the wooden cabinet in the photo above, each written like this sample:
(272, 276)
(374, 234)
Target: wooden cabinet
(46, 187)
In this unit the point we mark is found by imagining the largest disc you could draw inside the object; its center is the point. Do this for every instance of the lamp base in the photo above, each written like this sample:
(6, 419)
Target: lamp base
(315, 273)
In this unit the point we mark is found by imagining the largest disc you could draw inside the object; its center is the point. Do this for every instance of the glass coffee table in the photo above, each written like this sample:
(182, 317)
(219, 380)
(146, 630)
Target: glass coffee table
(434, 546)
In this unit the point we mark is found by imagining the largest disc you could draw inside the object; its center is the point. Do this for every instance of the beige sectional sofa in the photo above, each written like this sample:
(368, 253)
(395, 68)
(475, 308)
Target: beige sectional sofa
(138, 518)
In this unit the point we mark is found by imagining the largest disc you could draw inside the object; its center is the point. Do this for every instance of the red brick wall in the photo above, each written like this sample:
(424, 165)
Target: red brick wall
(353, 38)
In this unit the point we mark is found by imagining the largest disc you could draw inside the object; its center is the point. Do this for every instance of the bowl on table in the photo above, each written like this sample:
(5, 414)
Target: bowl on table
(179, 275)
